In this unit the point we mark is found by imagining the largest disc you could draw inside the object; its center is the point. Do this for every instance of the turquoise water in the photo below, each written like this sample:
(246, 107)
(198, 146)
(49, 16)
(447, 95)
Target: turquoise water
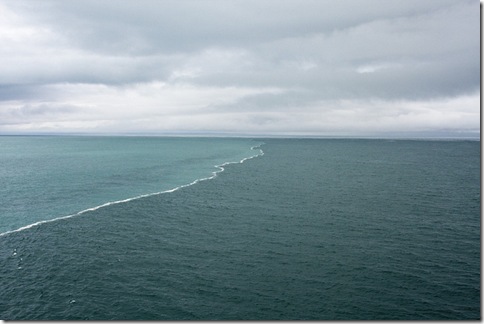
(319, 229)
(50, 177)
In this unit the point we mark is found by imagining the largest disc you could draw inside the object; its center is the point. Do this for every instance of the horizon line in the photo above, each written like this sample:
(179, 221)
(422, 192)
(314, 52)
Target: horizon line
(382, 135)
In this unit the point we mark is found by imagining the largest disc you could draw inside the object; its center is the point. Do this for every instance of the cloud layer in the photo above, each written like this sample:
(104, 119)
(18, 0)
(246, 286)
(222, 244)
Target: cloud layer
(262, 67)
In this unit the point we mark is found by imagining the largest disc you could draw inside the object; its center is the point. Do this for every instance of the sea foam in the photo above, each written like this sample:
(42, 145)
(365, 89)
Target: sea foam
(220, 168)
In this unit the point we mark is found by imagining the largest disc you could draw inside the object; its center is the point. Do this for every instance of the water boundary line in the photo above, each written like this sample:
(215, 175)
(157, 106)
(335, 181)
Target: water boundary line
(214, 174)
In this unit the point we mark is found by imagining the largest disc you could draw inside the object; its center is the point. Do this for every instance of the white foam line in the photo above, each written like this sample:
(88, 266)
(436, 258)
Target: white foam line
(214, 174)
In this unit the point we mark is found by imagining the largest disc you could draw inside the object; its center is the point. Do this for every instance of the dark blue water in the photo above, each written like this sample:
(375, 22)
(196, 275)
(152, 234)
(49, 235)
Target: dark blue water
(314, 229)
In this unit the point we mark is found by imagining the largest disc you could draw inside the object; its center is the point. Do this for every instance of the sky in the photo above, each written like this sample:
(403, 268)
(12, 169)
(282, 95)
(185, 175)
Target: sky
(280, 67)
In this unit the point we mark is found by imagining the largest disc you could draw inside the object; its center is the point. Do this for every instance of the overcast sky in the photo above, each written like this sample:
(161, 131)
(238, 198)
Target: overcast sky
(253, 66)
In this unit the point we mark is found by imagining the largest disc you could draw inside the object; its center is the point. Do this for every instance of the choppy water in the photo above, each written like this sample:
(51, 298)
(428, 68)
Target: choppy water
(313, 229)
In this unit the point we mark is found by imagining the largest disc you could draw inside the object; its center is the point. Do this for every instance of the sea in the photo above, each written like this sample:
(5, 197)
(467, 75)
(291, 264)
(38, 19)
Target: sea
(193, 228)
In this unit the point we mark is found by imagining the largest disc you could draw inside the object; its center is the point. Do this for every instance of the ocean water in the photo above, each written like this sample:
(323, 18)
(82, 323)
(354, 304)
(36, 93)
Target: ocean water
(316, 229)
(50, 177)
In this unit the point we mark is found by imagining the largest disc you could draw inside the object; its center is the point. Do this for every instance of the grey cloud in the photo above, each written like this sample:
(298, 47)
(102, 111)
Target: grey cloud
(314, 52)
(43, 109)
(137, 41)
(9, 92)
(137, 26)
(29, 112)
(79, 68)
